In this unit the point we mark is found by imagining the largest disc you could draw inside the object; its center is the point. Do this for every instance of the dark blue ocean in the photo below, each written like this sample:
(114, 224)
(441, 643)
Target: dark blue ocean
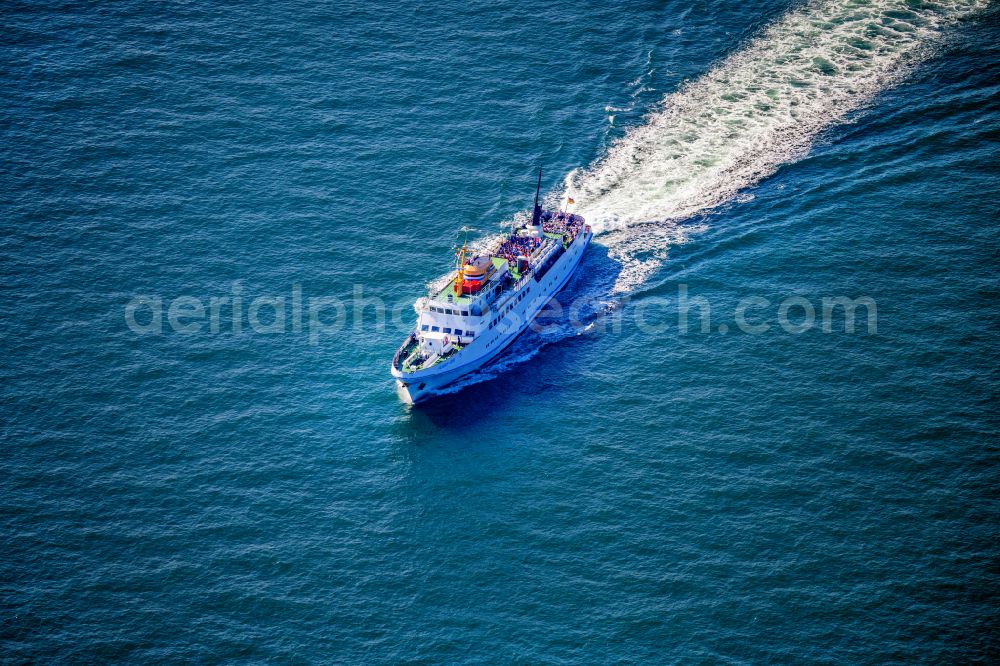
(758, 483)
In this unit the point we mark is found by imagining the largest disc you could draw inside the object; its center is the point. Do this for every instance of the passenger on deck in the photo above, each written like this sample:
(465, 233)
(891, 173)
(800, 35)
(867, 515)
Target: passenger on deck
(515, 246)
(563, 223)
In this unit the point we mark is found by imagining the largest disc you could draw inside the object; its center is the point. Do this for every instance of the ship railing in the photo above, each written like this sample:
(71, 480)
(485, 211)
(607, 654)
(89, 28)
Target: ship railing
(396, 359)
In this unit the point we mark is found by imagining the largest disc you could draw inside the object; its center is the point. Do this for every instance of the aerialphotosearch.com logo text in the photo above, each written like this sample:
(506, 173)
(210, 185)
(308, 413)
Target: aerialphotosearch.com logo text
(321, 317)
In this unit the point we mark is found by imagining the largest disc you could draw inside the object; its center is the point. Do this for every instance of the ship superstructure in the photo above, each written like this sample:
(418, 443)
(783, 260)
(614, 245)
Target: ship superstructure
(490, 298)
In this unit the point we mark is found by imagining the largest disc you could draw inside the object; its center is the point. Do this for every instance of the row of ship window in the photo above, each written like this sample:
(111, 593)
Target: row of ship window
(457, 331)
(465, 313)
(519, 298)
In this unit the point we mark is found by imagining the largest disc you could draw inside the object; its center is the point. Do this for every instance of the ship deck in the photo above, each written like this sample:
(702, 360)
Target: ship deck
(466, 299)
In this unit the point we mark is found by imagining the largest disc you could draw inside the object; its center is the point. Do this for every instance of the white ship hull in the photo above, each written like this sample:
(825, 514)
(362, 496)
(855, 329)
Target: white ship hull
(515, 312)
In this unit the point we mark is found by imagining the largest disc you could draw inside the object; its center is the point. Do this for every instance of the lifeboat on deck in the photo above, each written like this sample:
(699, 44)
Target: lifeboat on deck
(475, 273)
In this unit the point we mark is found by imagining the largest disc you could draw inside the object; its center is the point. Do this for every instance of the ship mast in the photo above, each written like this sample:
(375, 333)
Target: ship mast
(461, 264)
(536, 215)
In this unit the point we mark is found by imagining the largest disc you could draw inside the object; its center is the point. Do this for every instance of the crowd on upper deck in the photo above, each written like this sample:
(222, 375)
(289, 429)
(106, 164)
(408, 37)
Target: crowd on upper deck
(514, 246)
(554, 223)
(562, 223)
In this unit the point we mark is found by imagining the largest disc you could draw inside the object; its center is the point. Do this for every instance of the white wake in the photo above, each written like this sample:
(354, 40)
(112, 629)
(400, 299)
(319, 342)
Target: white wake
(757, 109)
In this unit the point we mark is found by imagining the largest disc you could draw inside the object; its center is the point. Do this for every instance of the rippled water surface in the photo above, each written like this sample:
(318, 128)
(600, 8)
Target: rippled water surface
(605, 493)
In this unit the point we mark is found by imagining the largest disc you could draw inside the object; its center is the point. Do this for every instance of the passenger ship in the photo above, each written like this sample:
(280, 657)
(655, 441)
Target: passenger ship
(488, 301)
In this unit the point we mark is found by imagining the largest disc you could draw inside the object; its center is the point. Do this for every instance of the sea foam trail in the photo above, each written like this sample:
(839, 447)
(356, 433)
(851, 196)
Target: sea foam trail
(757, 109)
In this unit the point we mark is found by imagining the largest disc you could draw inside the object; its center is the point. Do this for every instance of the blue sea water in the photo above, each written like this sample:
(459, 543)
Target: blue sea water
(606, 493)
